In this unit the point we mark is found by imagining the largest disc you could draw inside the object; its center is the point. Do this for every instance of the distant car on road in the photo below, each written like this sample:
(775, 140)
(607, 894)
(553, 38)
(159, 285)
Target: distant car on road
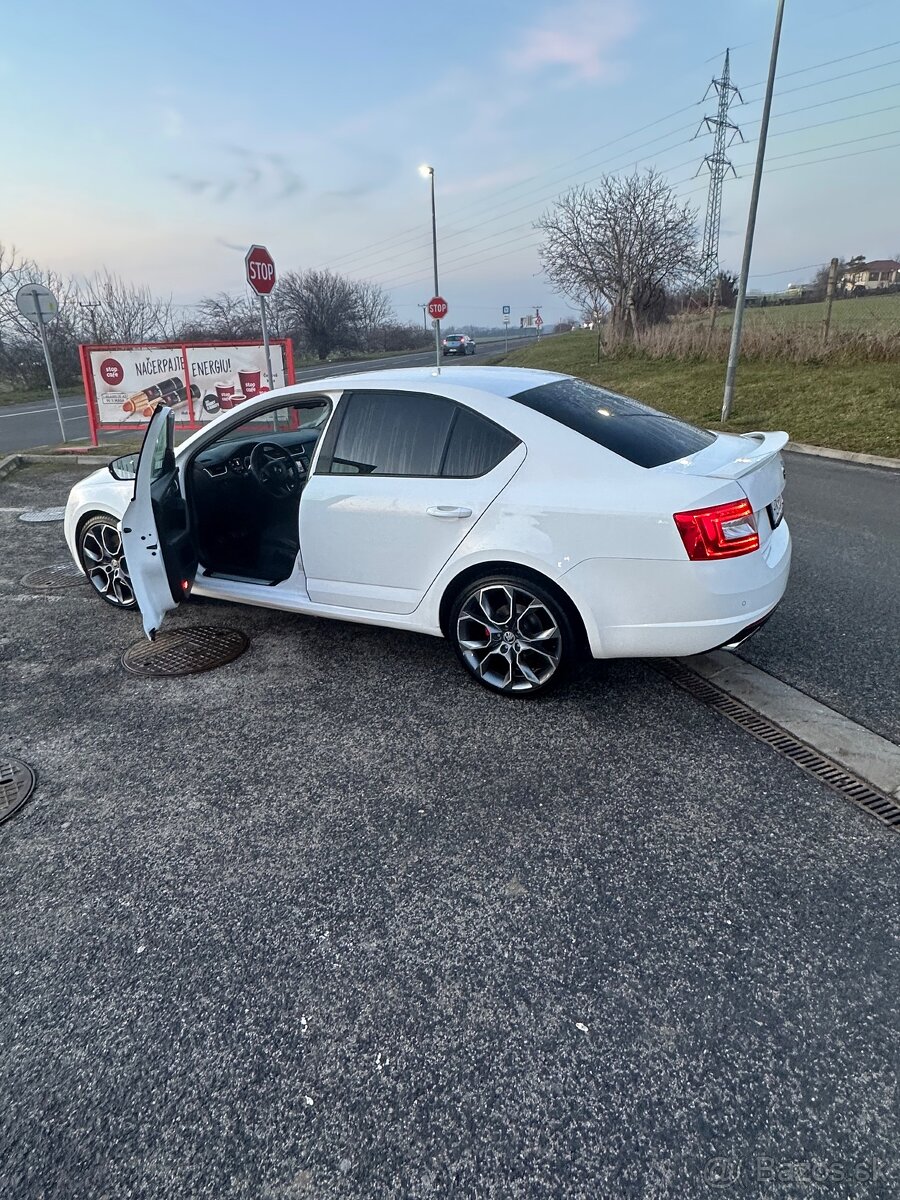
(457, 343)
(528, 517)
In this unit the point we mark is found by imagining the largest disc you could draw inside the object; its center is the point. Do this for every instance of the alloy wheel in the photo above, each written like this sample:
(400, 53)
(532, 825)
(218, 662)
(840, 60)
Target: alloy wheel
(509, 638)
(103, 559)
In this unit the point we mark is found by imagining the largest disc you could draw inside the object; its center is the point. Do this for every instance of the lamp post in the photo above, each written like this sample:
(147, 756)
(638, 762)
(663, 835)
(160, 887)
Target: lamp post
(427, 172)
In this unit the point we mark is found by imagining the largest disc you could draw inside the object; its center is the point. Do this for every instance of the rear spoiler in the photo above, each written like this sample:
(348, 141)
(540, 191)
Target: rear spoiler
(767, 446)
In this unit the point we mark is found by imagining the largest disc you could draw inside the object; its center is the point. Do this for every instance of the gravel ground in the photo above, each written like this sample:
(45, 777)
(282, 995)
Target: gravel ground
(333, 922)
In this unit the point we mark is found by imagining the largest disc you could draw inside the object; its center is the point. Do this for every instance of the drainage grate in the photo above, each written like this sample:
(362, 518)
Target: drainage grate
(36, 515)
(185, 651)
(57, 575)
(16, 785)
(873, 801)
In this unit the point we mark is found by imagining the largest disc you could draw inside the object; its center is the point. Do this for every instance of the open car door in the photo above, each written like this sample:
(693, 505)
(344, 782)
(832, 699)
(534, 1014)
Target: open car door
(159, 550)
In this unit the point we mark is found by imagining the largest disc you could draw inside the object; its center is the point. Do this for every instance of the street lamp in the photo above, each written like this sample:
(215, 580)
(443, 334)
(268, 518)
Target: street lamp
(427, 172)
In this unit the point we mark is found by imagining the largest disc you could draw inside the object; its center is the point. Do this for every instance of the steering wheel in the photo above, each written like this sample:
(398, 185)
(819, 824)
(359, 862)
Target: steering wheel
(275, 471)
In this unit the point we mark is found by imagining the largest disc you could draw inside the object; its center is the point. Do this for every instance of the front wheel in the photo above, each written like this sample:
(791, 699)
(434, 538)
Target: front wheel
(512, 635)
(103, 560)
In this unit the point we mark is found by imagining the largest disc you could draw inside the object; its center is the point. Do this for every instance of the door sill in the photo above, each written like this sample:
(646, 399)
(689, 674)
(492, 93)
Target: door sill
(241, 578)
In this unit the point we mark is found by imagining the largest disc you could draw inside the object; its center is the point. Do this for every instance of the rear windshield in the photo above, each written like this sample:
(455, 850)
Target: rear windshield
(455, 337)
(642, 435)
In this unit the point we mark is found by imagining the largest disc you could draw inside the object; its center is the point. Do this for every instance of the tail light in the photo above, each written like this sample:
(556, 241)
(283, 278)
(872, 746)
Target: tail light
(723, 531)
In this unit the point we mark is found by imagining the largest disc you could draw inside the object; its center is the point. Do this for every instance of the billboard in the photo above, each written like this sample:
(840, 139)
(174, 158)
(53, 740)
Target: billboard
(123, 384)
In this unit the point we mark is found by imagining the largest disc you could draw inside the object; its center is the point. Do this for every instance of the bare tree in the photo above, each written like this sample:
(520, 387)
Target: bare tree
(223, 318)
(373, 314)
(117, 311)
(626, 242)
(319, 309)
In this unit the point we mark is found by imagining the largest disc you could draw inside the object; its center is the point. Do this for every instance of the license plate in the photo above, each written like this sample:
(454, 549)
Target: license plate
(776, 510)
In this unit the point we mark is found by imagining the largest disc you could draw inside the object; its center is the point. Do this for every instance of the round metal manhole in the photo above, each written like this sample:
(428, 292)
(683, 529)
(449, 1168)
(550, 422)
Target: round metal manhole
(57, 575)
(16, 785)
(185, 651)
(36, 515)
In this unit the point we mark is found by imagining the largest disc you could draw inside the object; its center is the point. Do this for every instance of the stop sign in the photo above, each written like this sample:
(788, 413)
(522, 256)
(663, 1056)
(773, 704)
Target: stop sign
(437, 308)
(260, 270)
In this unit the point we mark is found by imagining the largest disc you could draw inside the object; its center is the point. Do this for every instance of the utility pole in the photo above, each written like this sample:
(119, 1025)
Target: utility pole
(718, 164)
(829, 299)
(734, 349)
(424, 308)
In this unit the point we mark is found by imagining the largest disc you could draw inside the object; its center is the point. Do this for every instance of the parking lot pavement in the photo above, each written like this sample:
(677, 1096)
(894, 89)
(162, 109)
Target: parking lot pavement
(333, 922)
(834, 635)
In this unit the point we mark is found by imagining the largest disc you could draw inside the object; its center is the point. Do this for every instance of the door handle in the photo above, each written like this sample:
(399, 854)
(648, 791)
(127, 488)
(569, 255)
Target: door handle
(448, 512)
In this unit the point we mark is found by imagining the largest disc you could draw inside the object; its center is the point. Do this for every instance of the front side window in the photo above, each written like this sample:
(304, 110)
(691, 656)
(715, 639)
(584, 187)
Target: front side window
(634, 431)
(308, 414)
(161, 447)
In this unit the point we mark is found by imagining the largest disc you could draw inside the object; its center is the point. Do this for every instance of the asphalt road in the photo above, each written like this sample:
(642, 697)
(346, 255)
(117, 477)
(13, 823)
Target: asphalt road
(35, 423)
(835, 635)
(333, 922)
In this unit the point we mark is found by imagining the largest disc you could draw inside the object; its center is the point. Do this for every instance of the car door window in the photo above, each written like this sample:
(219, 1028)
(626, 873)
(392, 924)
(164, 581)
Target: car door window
(161, 449)
(392, 433)
(476, 445)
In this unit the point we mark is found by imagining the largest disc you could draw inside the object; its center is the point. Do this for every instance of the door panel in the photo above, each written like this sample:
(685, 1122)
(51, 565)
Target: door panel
(369, 541)
(158, 546)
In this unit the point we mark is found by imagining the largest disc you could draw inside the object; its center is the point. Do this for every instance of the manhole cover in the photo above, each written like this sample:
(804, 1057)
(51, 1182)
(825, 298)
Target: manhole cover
(43, 514)
(185, 651)
(16, 785)
(57, 575)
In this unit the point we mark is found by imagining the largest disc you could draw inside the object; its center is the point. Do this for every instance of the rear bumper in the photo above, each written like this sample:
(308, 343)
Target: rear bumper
(651, 608)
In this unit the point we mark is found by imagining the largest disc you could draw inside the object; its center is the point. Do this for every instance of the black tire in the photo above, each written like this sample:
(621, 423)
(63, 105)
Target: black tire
(99, 546)
(540, 652)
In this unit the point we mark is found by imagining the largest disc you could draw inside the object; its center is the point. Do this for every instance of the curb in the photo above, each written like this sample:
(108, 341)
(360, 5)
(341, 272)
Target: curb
(11, 463)
(14, 461)
(867, 460)
(853, 747)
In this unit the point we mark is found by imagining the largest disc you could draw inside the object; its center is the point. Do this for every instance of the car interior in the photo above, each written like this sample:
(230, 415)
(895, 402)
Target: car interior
(243, 493)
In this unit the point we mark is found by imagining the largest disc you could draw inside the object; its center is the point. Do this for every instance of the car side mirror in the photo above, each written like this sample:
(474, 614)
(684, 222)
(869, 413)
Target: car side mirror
(124, 467)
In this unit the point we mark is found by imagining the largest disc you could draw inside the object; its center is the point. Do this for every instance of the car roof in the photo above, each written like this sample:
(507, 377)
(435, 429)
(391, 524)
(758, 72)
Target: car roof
(499, 381)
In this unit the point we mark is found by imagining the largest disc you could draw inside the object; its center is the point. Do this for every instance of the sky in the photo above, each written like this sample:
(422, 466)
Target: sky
(159, 141)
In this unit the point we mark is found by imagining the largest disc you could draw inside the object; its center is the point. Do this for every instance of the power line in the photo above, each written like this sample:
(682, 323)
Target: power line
(768, 170)
(412, 249)
(391, 275)
(363, 252)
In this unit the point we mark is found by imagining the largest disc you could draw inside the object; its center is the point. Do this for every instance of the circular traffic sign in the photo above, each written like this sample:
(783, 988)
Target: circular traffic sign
(37, 303)
(260, 270)
(437, 308)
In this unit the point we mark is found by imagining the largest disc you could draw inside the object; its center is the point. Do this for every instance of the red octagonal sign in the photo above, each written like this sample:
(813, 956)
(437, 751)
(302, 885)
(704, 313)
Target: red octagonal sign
(260, 270)
(437, 308)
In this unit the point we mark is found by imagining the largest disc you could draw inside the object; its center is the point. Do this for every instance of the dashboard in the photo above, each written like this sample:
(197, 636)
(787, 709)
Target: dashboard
(231, 459)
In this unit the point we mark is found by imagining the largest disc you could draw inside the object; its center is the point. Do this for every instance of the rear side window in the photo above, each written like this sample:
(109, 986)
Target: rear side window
(634, 431)
(392, 433)
(476, 445)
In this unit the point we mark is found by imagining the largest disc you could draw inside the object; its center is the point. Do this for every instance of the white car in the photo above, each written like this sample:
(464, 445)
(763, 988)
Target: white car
(528, 517)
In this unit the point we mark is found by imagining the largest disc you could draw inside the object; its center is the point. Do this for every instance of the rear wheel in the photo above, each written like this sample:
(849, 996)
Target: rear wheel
(102, 557)
(513, 635)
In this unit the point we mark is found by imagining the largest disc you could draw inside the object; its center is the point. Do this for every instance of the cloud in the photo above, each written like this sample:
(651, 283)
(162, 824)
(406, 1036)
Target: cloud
(265, 174)
(190, 184)
(579, 37)
(171, 122)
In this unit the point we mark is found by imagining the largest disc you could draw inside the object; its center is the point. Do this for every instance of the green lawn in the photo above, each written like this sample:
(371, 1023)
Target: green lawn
(849, 407)
(865, 315)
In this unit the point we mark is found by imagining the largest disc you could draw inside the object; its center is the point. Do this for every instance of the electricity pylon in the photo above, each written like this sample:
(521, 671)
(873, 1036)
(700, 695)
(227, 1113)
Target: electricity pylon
(718, 164)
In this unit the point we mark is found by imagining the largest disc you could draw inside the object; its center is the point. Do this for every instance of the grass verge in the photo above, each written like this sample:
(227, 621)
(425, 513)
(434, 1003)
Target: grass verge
(853, 406)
